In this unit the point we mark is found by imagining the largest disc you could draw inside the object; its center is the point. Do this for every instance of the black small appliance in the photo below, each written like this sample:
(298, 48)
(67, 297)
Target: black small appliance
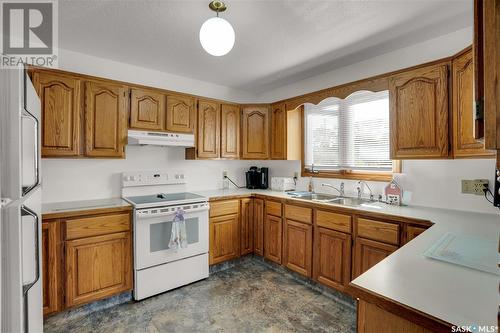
(257, 178)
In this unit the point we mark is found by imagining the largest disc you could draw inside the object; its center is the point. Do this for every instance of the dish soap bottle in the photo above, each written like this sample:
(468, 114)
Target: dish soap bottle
(311, 185)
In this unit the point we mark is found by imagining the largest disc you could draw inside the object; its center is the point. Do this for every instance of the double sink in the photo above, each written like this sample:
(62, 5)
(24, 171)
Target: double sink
(339, 200)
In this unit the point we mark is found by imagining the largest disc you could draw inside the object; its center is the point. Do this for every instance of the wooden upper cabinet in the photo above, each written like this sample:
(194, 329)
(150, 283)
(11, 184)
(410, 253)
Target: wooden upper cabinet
(60, 97)
(278, 131)
(180, 113)
(105, 119)
(230, 131)
(255, 132)
(147, 109)
(464, 143)
(419, 113)
(208, 129)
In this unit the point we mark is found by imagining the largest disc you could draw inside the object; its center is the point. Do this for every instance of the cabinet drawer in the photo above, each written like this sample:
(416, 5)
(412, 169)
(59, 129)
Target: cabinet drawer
(273, 208)
(376, 230)
(226, 207)
(334, 221)
(96, 225)
(297, 213)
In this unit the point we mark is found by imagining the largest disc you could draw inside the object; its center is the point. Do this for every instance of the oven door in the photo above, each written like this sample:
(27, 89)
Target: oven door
(153, 228)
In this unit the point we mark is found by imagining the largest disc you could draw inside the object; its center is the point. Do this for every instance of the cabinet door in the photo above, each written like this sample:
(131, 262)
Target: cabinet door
(105, 119)
(278, 132)
(147, 109)
(97, 267)
(419, 113)
(332, 258)
(368, 253)
(464, 143)
(258, 216)
(230, 131)
(50, 267)
(412, 232)
(246, 220)
(224, 238)
(180, 113)
(273, 231)
(297, 247)
(60, 99)
(208, 129)
(255, 135)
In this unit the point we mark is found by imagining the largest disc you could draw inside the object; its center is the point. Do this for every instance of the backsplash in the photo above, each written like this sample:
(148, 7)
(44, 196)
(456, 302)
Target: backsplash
(83, 179)
(432, 183)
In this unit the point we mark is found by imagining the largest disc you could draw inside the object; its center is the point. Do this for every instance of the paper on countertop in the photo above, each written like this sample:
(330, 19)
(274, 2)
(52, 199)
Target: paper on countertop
(469, 251)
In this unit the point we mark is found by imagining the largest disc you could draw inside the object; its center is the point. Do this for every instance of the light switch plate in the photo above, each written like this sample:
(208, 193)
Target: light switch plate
(474, 186)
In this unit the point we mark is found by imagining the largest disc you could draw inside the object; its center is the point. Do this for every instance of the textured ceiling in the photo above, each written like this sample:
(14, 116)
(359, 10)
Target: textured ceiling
(277, 42)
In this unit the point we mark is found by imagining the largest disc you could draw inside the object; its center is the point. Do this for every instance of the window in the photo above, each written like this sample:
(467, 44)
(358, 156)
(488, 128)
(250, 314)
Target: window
(348, 136)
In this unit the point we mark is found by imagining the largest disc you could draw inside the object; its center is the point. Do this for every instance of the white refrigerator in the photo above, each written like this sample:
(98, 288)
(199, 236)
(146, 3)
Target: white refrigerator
(20, 205)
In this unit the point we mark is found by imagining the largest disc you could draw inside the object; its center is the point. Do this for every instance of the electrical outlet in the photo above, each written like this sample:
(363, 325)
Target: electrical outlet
(295, 175)
(475, 186)
(224, 174)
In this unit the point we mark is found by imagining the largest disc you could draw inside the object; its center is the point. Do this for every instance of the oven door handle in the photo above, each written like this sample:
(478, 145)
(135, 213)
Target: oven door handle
(141, 214)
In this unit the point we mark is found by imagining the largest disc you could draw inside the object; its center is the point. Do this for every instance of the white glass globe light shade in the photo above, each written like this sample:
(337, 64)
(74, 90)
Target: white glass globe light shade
(217, 36)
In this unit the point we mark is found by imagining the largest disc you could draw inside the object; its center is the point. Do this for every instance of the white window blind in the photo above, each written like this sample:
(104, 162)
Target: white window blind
(349, 134)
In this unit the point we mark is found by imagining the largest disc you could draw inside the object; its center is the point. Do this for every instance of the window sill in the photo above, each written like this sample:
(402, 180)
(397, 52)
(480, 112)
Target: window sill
(373, 176)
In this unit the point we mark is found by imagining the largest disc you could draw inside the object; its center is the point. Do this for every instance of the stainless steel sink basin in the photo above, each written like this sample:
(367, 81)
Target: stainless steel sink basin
(334, 199)
(316, 197)
(348, 201)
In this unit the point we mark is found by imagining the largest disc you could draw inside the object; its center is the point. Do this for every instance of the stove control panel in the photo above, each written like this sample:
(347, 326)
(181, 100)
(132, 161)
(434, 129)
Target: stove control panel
(157, 177)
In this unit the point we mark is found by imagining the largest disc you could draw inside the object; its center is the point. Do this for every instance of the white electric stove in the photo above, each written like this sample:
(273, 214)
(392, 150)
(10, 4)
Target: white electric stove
(157, 267)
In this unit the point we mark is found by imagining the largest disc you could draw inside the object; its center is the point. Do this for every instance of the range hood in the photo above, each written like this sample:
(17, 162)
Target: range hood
(160, 139)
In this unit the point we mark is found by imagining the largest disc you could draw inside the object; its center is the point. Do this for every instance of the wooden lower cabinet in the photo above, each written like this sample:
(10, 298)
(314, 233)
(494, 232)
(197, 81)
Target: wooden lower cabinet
(258, 215)
(246, 224)
(85, 258)
(367, 253)
(297, 247)
(332, 258)
(224, 238)
(412, 232)
(273, 232)
(373, 319)
(51, 260)
(97, 267)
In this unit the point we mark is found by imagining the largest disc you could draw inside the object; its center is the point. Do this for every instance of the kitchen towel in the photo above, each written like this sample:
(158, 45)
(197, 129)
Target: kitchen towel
(178, 238)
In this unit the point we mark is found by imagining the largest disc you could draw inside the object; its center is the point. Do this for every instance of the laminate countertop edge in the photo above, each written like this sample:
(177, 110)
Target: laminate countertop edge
(447, 293)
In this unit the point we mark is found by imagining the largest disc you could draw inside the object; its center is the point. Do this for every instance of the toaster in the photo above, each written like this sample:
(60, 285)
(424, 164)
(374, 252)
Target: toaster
(282, 184)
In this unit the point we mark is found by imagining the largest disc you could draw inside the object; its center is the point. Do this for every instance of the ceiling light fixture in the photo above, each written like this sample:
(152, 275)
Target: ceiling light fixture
(217, 34)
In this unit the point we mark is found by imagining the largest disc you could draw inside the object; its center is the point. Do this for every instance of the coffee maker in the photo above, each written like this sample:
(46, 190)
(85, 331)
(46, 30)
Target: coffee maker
(257, 178)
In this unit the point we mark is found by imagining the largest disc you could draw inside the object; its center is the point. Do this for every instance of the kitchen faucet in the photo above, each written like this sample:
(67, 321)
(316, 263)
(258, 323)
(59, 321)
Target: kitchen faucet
(341, 191)
(361, 182)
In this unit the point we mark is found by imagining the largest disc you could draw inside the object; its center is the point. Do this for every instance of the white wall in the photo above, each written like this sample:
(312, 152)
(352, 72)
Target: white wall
(91, 65)
(432, 183)
(440, 47)
(85, 179)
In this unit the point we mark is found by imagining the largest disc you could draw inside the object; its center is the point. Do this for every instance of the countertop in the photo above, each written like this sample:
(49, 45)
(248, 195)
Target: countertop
(60, 209)
(454, 294)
